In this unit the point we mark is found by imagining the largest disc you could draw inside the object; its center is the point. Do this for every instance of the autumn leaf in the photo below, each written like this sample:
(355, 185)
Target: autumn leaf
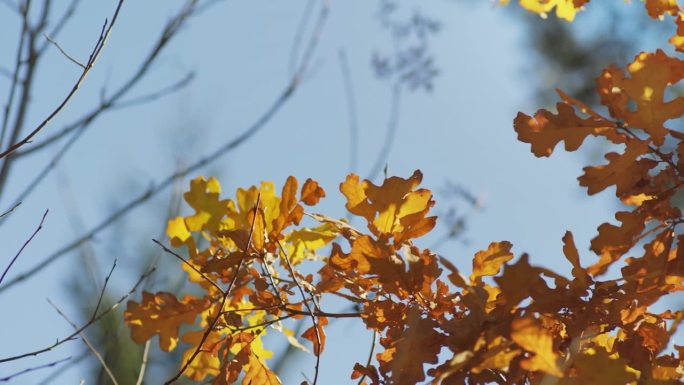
(161, 314)
(204, 198)
(571, 254)
(545, 130)
(395, 207)
(658, 8)
(623, 170)
(207, 363)
(314, 333)
(651, 74)
(600, 369)
(311, 192)
(613, 241)
(529, 334)
(256, 372)
(488, 262)
(678, 39)
(565, 9)
(417, 345)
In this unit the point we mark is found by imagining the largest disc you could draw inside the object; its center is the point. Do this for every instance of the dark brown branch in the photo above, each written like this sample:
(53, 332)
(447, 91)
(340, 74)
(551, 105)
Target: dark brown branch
(101, 41)
(185, 261)
(370, 355)
(211, 326)
(16, 256)
(279, 102)
(27, 370)
(94, 318)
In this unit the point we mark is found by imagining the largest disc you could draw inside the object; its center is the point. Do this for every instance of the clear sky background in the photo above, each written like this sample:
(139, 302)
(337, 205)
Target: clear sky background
(460, 133)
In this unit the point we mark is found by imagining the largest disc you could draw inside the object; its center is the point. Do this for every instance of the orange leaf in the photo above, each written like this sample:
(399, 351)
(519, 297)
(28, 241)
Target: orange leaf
(311, 335)
(545, 130)
(311, 192)
(651, 74)
(531, 336)
(392, 208)
(161, 313)
(489, 262)
(623, 170)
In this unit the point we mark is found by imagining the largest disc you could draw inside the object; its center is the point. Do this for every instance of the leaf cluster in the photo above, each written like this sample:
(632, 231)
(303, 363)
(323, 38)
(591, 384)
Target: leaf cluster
(509, 322)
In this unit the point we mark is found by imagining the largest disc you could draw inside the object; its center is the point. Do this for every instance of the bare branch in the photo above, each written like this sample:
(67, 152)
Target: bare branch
(53, 42)
(61, 23)
(6, 213)
(351, 112)
(101, 41)
(391, 134)
(87, 342)
(15, 73)
(94, 318)
(184, 81)
(27, 370)
(299, 35)
(196, 270)
(370, 355)
(317, 347)
(227, 147)
(16, 256)
(143, 364)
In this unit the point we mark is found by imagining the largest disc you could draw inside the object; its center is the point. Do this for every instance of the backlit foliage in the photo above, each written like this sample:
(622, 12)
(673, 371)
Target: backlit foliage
(509, 322)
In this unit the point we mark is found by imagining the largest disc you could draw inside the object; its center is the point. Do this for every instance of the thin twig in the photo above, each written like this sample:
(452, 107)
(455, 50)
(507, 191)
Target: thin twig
(279, 102)
(60, 24)
(317, 347)
(389, 137)
(87, 342)
(184, 81)
(53, 42)
(101, 41)
(58, 372)
(143, 364)
(94, 318)
(27, 370)
(16, 256)
(196, 270)
(299, 35)
(351, 111)
(370, 355)
(3, 215)
(210, 327)
(15, 72)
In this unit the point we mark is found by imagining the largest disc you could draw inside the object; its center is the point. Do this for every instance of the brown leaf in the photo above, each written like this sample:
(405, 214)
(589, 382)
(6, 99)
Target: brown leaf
(311, 192)
(545, 130)
(161, 313)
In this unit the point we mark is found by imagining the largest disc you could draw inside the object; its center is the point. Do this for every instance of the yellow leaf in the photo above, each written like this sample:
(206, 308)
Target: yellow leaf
(529, 334)
(489, 262)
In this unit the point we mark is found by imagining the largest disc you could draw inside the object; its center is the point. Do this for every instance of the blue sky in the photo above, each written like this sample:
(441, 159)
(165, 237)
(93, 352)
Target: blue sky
(461, 132)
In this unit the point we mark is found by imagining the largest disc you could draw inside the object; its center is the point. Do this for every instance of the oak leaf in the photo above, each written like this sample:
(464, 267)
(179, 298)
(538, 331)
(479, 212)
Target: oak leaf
(545, 130)
(651, 74)
(531, 336)
(488, 262)
(162, 314)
